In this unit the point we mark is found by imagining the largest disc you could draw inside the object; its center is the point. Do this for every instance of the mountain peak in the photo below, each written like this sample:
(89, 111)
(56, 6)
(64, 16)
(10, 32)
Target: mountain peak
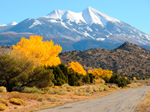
(88, 16)
(92, 15)
(90, 8)
(88, 24)
(128, 46)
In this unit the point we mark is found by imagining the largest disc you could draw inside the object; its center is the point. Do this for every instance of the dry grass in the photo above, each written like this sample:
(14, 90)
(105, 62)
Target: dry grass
(143, 82)
(50, 99)
(22, 96)
(2, 107)
(144, 106)
(16, 101)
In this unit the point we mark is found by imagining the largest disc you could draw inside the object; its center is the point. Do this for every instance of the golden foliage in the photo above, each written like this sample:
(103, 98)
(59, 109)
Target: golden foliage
(134, 78)
(101, 73)
(125, 77)
(41, 52)
(90, 71)
(16, 101)
(77, 68)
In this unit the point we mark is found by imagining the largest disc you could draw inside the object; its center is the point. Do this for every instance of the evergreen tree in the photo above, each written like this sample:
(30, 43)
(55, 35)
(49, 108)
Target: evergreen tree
(59, 77)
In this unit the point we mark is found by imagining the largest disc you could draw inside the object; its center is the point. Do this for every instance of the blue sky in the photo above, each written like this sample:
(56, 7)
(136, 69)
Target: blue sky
(133, 12)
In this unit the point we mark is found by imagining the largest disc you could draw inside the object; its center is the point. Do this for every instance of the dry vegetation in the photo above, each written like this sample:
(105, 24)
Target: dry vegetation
(128, 59)
(5, 49)
(144, 106)
(121, 60)
(53, 96)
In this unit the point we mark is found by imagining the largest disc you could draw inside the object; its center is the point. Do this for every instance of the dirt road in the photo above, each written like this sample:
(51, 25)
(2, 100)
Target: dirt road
(122, 101)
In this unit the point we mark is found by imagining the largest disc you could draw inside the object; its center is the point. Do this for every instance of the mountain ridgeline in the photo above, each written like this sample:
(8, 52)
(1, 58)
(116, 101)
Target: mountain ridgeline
(128, 59)
(87, 24)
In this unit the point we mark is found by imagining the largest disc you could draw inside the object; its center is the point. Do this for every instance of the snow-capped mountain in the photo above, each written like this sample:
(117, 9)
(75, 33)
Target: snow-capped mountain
(4, 27)
(88, 24)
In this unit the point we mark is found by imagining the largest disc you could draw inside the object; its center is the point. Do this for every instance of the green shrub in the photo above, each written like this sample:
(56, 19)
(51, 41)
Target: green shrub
(65, 70)
(95, 88)
(89, 89)
(3, 89)
(40, 77)
(20, 72)
(52, 99)
(86, 79)
(40, 99)
(114, 86)
(57, 91)
(67, 87)
(73, 79)
(32, 90)
(59, 77)
(101, 89)
(106, 88)
(76, 92)
(91, 77)
(122, 82)
(13, 67)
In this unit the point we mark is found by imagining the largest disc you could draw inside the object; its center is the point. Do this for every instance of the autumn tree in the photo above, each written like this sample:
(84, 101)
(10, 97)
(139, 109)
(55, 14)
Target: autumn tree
(134, 78)
(101, 73)
(77, 68)
(41, 52)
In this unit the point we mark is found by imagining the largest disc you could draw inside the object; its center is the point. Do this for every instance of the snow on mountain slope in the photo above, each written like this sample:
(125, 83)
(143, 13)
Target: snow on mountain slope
(91, 16)
(12, 23)
(36, 22)
(88, 16)
(62, 15)
(88, 24)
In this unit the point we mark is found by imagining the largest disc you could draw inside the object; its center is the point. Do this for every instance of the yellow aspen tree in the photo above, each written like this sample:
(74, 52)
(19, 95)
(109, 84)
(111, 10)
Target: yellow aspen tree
(77, 68)
(41, 52)
(98, 72)
(125, 77)
(134, 78)
(107, 73)
(101, 73)
(90, 71)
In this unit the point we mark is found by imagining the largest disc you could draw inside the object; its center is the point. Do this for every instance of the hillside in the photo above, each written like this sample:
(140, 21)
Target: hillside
(127, 59)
